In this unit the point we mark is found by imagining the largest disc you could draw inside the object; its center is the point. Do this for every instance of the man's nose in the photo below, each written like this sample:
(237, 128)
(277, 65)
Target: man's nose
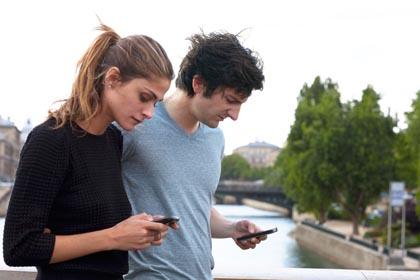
(233, 113)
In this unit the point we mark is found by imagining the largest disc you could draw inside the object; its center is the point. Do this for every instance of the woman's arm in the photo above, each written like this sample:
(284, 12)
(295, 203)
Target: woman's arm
(41, 172)
(40, 175)
(135, 233)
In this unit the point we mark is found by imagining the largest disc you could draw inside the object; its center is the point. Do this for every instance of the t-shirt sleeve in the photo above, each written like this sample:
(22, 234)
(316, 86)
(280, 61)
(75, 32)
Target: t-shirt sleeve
(222, 150)
(41, 172)
(127, 142)
(128, 145)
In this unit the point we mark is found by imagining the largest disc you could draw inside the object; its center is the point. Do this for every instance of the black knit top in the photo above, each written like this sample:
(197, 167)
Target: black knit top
(70, 182)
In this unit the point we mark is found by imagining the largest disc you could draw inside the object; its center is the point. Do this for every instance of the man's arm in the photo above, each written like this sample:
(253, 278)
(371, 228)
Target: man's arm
(223, 228)
(220, 226)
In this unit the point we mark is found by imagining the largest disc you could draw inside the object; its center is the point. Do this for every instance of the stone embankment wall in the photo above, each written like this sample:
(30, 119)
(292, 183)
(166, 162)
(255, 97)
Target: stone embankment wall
(340, 251)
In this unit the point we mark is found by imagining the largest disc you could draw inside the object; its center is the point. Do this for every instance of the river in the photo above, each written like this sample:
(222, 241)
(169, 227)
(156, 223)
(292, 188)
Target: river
(279, 250)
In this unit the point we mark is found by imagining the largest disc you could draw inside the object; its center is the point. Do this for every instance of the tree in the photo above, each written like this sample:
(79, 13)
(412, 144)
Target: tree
(307, 167)
(405, 160)
(413, 141)
(234, 167)
(367, 165)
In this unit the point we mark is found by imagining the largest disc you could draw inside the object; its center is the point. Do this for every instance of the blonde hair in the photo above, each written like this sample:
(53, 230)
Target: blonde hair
(136, 56)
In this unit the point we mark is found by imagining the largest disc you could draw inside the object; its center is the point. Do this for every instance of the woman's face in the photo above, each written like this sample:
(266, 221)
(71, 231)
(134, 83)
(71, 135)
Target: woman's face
(130, 103)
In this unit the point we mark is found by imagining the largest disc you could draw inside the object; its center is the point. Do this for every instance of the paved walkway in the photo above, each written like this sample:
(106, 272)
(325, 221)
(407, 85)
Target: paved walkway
(344, 227)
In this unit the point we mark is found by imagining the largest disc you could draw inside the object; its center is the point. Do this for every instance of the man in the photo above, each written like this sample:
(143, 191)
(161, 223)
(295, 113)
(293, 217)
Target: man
(171, 163)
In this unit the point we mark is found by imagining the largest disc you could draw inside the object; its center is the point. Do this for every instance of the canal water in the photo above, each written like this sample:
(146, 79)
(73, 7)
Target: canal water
(278, 251)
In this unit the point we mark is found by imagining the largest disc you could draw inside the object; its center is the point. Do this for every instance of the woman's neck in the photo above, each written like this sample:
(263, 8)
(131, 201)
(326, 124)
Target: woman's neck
(96, 125)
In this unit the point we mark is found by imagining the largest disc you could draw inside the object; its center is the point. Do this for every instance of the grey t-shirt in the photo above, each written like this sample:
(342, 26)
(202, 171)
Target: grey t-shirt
(168, 172)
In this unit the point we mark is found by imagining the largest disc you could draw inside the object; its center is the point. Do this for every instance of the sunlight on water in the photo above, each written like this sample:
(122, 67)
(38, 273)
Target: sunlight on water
(279, 250)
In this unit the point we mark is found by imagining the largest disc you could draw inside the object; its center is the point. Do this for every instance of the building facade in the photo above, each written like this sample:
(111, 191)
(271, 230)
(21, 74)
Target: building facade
(10, 144)
(259, 154)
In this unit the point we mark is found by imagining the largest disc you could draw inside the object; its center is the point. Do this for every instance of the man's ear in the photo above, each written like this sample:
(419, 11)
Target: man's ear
(112, 76)
(198, 84)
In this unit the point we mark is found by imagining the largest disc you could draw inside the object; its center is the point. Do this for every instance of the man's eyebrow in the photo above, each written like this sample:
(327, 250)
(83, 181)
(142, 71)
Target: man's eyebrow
(235, 98)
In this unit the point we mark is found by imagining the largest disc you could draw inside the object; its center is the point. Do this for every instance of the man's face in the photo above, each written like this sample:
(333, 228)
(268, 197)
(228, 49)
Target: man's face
(222, 104)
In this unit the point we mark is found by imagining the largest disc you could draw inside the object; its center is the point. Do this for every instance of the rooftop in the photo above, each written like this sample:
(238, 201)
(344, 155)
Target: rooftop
(261, 144)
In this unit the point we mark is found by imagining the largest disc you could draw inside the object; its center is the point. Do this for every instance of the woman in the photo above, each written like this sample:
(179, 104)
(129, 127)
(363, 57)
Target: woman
(69, 214)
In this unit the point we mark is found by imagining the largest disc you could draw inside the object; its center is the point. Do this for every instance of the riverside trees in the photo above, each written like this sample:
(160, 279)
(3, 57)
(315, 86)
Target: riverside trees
(343, 153)
(337, 152)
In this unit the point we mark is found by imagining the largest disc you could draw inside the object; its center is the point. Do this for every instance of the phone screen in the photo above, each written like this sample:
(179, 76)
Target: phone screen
(167, 220)
(257, 234)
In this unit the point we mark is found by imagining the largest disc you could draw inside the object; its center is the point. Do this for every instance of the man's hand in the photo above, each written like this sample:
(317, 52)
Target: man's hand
(246, 227)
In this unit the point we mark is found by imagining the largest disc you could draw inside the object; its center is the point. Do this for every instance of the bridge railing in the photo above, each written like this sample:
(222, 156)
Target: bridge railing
(279, 274)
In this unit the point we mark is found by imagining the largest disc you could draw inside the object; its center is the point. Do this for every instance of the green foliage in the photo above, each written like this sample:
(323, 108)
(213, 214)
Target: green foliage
(335, 212)
(273, 178)
(336, 153)
(235, 167)
(307, 167)
(374, 233)
(413, 141)
(368, 162)
(405, 161)
(373, 222)
(259, 173)
(412, 241)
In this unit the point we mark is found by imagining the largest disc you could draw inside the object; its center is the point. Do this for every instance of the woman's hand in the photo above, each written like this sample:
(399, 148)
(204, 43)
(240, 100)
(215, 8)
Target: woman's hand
(137, 233)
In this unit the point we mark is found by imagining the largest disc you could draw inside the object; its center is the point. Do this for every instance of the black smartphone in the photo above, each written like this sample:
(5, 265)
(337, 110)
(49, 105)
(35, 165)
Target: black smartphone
(167, 220)
(257, 234)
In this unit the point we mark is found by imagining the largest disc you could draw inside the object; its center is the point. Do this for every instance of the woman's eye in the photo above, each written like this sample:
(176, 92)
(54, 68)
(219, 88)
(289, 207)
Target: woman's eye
(144, 98)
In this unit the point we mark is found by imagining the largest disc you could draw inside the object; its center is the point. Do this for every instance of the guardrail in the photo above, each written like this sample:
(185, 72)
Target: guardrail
(413, 255)
(279, 274)
(364, 243)
(324, 229)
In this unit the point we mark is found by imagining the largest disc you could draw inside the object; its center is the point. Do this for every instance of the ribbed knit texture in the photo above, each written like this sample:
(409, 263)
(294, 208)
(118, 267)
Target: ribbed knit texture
(69, 182)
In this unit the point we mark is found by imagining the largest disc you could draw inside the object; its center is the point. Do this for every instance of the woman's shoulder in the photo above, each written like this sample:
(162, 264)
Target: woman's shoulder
(115, 133)
(48, 132)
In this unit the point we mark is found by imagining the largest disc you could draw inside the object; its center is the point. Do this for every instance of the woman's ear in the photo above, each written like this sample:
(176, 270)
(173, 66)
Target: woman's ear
(112, 76)
(198, 84)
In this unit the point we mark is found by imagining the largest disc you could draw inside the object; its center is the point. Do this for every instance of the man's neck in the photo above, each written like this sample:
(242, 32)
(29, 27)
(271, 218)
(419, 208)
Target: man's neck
(178, 107)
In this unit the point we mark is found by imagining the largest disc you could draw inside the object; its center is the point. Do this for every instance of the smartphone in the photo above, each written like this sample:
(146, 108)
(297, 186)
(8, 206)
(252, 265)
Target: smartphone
(167, 220)
(257, 234)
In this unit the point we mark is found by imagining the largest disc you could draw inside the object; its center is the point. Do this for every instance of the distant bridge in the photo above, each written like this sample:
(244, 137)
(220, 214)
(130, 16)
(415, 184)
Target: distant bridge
(229, 192)
(235, 191)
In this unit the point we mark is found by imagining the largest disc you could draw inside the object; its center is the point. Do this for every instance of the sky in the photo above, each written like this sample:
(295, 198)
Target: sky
(356, 43)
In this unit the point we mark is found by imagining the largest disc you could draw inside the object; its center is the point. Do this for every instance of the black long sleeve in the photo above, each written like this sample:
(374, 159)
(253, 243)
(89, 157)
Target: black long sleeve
(70, 183)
